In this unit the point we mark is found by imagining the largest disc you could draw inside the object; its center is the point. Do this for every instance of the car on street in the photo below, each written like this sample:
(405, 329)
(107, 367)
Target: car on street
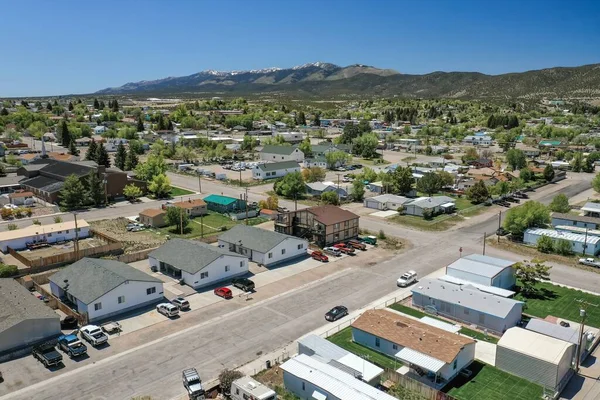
(71, 345)
(332, 251)
(223, 292)
(344, 248)
(244, 284)
(93, 334)
(408, 278)
(336, 313)
(346, 179)
(319, 256)
(181, 303)
(168, 309)
(372, 240)
(356, 244)
(193, 384)
(590, 262)
(47, 354)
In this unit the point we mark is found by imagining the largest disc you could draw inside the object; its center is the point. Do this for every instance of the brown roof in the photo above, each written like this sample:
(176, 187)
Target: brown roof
(330, 215)
(28, 156)
(481, 171)
(60, 156)
(413, 334)
(266, 211)
(190, 203)
(17, 195)
(152, 212)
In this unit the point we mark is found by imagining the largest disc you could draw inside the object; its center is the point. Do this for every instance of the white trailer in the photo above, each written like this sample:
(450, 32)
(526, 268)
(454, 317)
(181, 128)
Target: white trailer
(248, 388)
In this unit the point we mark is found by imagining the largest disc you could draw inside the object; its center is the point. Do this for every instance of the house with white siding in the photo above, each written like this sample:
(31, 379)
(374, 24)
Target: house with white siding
(386, 202)
(281, 153)
(198, 264)
(579, 221)
(274, 170)
(52, 233)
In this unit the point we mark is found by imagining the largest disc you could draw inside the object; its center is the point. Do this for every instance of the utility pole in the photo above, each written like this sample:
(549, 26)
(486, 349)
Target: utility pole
(499, 224)
(583, 315)
(105, 191)
(76, 244)
(585, 241)
(484, 237)
(200, 183)
(240, 177)
(295, 201)
(246, 197)
(338, 182)
(181, 219)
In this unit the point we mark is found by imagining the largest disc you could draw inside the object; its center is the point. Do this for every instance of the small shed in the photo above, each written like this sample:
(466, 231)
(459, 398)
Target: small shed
(484, 270)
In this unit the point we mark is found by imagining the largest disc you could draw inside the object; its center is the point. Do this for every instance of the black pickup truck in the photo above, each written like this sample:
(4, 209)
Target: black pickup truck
(47, 354)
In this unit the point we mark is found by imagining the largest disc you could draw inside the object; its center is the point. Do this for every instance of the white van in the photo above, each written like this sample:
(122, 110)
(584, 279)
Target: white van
(168, 309)
(247, 388)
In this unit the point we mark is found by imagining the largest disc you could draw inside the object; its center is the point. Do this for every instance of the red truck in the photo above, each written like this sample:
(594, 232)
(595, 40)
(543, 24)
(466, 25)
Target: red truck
(343, 248)
(319, 256)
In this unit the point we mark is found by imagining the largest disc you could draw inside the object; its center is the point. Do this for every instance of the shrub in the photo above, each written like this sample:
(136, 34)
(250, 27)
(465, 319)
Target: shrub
(381, 234)
(36, 222)
(545, 244)
(57, 220)
(12, 227)
(563, 247)
(226, 378)
(427, 213)
(27, 211)
(7, 271)
(6, 213)
(18, 212)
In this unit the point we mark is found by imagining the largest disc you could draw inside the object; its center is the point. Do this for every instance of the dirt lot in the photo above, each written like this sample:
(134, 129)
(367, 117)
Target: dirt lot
(59, 249)
(132, 241)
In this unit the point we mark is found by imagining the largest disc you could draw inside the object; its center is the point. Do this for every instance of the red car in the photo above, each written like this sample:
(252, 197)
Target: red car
(224, 292)
(319, 256)
(343, 248)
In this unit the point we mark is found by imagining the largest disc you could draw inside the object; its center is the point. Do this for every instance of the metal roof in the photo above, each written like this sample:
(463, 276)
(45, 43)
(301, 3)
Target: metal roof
(573, 237)
(332, 380)
(368, 370)
(579, 218)
(535, 345)
(278, 166)
(422, 360)
(553, 330)
(218, 199)
(254, 387)
(484, 288)
(19, 305)
(591, 206)
(467, 297)
(281, 150)
(428, 202)
(384, 198)
(578, 229)
(440, 324)
(35, 230)
(256, 239)
(498, 262)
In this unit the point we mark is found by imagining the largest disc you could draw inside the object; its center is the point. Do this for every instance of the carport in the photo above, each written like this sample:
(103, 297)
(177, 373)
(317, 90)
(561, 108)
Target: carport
(422, 365)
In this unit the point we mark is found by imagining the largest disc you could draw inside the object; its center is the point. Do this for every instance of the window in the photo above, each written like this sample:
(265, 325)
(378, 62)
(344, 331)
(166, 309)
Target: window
(49, 234)
(121, 299)
(346, 233)
(203, 275)
(345, 224)
(282, 251)
(59, 232)
(97, 306)
(377, 342)
(241, 264)
(237, 390)
(245, 396)
(270, 255)
(303, 386)
(67, 231)
(336, 226)
(151, 290)
(227, 268)
(300, 246)
(395, 346)
(481, 319)
(455, 364)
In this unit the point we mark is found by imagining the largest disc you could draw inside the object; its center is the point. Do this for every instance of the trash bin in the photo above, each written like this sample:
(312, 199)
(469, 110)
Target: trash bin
(268, 364)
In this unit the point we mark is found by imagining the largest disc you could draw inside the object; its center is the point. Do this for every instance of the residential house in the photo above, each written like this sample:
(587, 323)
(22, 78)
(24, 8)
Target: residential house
(25, 319)
(10, 183)
(467, 304)
(591, 209)
(224, 204)
(291, 137)
(101, 289)
(324, 225)
(581, 243)
(376, 187)
(421, 347)
(318, 161)
(100, 129)
(538, 358)
(21, 198)
(408, 142)
(318, 188)
(484, 270)
(323, 148)
(386, 202)
(438, 162)
(198, 264)
(28, 158)
(482, 163)
(274, 170)
(64, 231)
(437, 205)
(193, 208)
(549, 144)
(580, 221)
(262, 246)
(281, 153)
(154, 217)
(478, 140)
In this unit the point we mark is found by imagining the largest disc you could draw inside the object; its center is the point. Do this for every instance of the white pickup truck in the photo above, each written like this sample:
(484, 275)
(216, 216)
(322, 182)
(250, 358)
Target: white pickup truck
(94, 335)
(589, 261)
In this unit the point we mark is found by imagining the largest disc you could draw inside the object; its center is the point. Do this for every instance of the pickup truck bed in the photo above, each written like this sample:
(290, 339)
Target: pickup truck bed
(47, 354)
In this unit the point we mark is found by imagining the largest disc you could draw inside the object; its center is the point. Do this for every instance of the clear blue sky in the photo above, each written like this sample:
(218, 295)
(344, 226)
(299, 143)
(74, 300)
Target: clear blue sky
(68, 46)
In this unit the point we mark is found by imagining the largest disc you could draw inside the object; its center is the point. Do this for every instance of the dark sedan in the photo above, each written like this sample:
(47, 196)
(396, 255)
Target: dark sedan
(244, 284)
(336, 313)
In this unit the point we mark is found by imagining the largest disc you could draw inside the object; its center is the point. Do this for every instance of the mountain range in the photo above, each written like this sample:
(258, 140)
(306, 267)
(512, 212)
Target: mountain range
(325, 80)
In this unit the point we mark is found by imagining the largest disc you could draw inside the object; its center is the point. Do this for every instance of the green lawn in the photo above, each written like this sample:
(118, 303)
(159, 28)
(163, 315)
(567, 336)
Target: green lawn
(438, 223)
(490, 383)
(344, 339)
(560, 302)
(175, 191)
(462, 203)
(213, 224)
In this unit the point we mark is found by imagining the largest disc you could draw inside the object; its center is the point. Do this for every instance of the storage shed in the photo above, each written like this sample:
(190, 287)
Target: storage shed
(580, 243)
(538, 358)
(484, 270)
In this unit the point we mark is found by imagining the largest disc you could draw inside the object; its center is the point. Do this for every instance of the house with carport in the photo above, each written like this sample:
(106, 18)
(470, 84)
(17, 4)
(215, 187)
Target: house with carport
(436, 204)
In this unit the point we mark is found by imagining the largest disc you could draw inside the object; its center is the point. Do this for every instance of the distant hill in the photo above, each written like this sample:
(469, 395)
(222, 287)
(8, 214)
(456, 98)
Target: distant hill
(328, 80)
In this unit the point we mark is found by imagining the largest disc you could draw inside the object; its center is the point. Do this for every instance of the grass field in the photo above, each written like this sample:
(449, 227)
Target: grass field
(208, 225)
(560, 302)
(344, 339)
(490, 383)
(439, 223)
(175, 191)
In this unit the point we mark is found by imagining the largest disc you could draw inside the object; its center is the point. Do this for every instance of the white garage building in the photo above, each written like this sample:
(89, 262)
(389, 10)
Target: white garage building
(386, 202)
(262, 246)
(52, 233)
(484, 270)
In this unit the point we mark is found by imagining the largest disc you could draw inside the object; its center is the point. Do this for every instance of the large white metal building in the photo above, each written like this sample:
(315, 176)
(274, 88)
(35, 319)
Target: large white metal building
(52, 233)
(484, 270)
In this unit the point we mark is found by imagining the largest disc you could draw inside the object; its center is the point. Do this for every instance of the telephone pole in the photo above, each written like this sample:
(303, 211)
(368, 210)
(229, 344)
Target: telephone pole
(246, 197)
(583, 315)
(76, 244)
(200, 183)
(181, 219)
(484, 237)
(499, 224)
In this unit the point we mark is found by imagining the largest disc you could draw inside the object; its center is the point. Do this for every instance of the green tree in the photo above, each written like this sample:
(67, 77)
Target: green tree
(249, 143)
(563, 247)
(115, 106)
(516, 159)
(530, 273)
(358, 190)
(186, 154)
(596, 183)
(549, 173)
(72, 195)
(300, 118)
(366, 145)
(530, 215)
(121, 156)
(154, 165)
(470, 155)
(102, 157)
(131, 161)
(226, 378)
(65, 136)
(3, 112)
(73, 149)
(478, 193)
(577, 163)
(330, 198)
(290, 186)
(526, 175)
(306, 147)
(160, 186)
(91, 154)
(140, 124)
(316, 119)
(8, 271)
(336, 158)
(96, 104)
(313, 174)
(545, 244)
(588, 165)
(95, 189)
(132, 192)
(560, 204)
(430, 183)
(178, 218)
(368, 174)
(70, 106)
(446, 178)
(402, 180)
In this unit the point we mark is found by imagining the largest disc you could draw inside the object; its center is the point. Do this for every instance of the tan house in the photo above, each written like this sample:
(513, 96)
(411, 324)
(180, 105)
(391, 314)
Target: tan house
(193, 208)
(154, 217)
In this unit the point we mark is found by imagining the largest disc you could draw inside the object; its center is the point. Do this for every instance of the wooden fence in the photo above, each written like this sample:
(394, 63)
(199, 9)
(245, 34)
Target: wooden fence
(55, 303)
(415, 386)
(137, 256)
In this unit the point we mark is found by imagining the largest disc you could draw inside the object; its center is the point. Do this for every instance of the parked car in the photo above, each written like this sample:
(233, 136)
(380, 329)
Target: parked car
(501, 232)
(343, 248)
(71, 345)
(332, 251)
(372, 240)
(336, 313)
(319, 256)
(244, 284)
(69, 322)
(589, 261)
(181, 303)
(46, 353)
(356, 244)
(408, 278)
(168, 309)
(224, 292)
(93, 334)
(193, 384)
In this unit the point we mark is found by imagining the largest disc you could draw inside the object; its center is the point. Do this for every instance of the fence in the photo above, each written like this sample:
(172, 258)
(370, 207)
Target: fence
(137, 256)
(55, 303)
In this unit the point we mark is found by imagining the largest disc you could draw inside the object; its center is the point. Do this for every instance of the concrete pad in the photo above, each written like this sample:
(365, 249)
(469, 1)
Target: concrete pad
(384, 214)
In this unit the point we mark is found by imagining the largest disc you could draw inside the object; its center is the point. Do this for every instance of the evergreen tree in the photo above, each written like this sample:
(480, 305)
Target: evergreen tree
(170, 125)
(72, 195)
(115, 106)
(95, 189)
(3, 112)
(70, 106)
(64, 134)
(96, 104)
(549, 173)
(160, 123)
(49, 106)
(120, 157)
(92, 150)
(140, 125)
(55, 102)
(132, 160)
(73, 149)
(300, 118)
(317, 120)
(102, 156)
(110, 104)
(101, 105)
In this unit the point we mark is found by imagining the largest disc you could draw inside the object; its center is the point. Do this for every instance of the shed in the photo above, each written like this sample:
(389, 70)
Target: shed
(538, 358)
(484, 270)
(591, 209)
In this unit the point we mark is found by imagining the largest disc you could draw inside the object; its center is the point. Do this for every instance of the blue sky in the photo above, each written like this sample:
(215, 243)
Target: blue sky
(68, 46)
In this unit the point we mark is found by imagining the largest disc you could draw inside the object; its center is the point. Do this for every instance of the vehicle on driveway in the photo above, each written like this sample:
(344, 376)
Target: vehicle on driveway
(223, 292)
(336, 313)
(71, 345)
(589, 261)
(94, 335)
(343, 248)
(168, 309)
(356, 244)
(46, 353)
(319, 256)
(332, 251)
(372, 240)
(408, 278)
(181, 303)
(244, 284)
(193, 384)
(501, 232)
(70, 322)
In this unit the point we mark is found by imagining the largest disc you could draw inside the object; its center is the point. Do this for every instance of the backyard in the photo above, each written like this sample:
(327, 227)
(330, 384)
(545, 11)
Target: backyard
(344, 339)
(175, 192)
(209, 225)
(490, 383)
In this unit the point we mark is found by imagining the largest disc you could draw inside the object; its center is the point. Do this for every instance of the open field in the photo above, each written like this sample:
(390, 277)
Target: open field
(209, 225)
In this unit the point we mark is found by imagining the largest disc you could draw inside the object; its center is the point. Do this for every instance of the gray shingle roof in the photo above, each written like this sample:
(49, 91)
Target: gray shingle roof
(91, 278)
(282, 150)
(189, 255)
(18, 305)
(428, 202)
(253, 238)
(277, 166)
(44, 183)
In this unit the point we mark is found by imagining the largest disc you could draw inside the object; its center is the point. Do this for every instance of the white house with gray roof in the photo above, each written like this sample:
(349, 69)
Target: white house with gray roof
(386, 202)
(274, 170)
(281, 153)
(104, 288)
(198, 264)
(262, 246)
(437, 205)
(484, 270)
(24, 320)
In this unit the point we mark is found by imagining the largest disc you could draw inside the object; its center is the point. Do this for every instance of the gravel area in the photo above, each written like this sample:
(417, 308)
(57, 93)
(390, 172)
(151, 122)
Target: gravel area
(132, 241)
